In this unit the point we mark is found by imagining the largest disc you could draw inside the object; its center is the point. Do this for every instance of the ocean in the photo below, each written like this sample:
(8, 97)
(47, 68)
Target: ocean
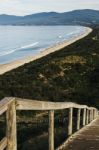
(17, 42)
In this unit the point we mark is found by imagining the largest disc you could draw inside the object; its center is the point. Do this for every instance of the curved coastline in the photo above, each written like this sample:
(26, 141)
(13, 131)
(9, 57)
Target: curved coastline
(15, 64)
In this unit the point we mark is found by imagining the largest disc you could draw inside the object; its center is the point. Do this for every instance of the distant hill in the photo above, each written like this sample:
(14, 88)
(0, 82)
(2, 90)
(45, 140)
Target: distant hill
(76, 17)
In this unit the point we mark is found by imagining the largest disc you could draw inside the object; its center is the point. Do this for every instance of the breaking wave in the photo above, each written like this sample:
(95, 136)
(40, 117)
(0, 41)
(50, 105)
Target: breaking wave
(16, 49)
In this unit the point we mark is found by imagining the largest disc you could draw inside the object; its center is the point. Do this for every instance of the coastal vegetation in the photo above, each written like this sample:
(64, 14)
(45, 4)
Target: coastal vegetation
(71, 74)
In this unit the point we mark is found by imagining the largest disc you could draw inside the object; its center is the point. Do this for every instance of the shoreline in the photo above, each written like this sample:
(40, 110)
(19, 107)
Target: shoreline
(15, 64)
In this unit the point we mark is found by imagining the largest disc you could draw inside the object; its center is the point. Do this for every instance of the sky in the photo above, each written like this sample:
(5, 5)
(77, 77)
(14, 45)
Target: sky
(25, 7)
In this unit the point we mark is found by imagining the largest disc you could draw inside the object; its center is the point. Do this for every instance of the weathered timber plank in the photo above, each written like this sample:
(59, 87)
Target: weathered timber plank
(25, 104)
(3, 143)
(11, 127)
(70, 122)
(85, 139)
(84, 117)
(78, 119)
(51, 130)
(4, 104)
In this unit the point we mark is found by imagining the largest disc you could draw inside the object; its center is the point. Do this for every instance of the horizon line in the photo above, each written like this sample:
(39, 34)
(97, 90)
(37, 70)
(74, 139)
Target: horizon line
(47, 12)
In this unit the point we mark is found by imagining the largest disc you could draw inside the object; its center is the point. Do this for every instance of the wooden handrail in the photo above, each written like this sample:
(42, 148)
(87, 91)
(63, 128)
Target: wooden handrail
(11, 104)
(4, 104)
(26, 104)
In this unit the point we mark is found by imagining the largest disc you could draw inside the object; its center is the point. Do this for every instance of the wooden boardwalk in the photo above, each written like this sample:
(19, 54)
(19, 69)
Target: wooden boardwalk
(85, 139)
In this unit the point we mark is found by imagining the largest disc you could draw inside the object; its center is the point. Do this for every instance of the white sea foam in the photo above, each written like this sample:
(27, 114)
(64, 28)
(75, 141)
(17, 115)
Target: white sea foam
(30, 45)
(16, 49)
(60, 36)
(73, 33)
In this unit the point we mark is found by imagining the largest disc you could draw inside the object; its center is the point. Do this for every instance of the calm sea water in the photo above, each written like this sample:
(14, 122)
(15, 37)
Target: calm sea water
(17, 42)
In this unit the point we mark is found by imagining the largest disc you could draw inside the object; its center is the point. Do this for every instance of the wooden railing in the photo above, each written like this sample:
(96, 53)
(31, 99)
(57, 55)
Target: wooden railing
(10, 105)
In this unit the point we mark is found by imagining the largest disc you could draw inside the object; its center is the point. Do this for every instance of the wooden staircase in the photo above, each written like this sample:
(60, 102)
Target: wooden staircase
(11, 104)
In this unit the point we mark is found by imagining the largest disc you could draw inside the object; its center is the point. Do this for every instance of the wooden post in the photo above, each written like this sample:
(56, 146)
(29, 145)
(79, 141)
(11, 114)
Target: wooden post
(78, 119)
(11, 127)
(84, 117)
(51, 130)
(91, 115)
(87, 120)
(70, 124)
(95, 113)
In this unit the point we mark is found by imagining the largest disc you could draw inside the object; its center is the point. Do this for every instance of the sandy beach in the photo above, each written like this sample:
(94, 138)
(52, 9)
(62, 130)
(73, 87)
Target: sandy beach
(10, 66)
